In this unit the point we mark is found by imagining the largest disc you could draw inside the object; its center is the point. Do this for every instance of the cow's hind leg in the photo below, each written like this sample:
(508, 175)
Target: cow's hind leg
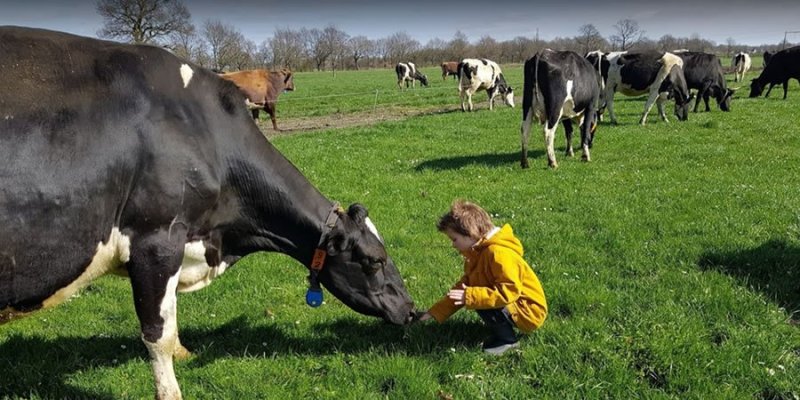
(586, 134)
(154, 269)
(568, 134)
(785, 88)
(525, 133)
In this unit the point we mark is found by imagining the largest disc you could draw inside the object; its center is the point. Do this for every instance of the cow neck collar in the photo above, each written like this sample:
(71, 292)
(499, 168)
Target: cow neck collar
(318, 260)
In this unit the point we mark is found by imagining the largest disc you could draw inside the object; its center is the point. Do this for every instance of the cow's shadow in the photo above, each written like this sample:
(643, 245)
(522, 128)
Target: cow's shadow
(772, 268)
(43, 366)
(490, 160)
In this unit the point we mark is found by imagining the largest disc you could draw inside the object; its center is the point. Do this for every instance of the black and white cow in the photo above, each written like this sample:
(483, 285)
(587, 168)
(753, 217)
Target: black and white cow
(559, 86)
(633, 74)
(483, 74)
(408, 73)
(143, 164)
(740, 64)
(783, 66)
(704, 73)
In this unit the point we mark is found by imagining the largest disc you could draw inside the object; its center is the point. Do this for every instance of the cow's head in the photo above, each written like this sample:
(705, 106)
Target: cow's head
(288, 80)
(422, 78)
(682, 106)
(724, 98)
(756, 88)
(508, 96)
(358, 271)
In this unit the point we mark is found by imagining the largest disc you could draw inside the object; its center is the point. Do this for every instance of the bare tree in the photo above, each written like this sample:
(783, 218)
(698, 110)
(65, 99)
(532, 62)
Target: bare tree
(589, 39)
(731, 43)
(142, 21)
(228, 47)
(487, 47)
(521, 48)
(399, 46)
(326, 44)
(360, 47)
(287, 48)
(459, 47)
(628, 34)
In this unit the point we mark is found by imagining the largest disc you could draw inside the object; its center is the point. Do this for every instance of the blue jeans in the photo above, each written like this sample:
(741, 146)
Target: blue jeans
(499, 321)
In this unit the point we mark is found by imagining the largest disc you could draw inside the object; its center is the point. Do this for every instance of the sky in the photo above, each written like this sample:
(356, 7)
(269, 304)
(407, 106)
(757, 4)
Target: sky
(748, 22)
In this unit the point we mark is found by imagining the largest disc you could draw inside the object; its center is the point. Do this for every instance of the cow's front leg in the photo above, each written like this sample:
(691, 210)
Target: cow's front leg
(648, 106)
(610, 106)
(568, 134)
(154, 269)
(662, 98)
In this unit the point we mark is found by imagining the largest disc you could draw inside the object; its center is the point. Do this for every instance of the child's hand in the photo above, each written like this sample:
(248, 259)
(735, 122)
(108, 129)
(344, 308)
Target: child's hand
(458, 295)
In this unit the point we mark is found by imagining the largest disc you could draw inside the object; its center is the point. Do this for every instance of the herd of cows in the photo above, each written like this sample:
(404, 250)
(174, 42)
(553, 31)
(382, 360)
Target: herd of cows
(562, 86)
(145, 165)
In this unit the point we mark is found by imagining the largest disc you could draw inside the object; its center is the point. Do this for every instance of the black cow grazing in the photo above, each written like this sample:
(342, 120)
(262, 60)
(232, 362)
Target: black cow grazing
(634, 74)
(407, 72)
(559, 86)
(767, 56)
(704, 73)
(783, 66)
(143, 164)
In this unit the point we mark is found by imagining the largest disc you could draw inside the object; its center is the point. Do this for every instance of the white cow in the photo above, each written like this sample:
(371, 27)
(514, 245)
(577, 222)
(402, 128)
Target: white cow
(486, 75)
(741, 64)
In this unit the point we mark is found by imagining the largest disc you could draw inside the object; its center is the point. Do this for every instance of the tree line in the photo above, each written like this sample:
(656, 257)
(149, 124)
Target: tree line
(222, 47)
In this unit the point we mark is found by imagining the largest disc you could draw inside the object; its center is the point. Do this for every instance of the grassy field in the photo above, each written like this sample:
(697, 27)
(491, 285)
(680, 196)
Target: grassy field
(670, 262)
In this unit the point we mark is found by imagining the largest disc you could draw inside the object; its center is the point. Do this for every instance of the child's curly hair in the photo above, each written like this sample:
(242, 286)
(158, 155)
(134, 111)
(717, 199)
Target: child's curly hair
(467, 219)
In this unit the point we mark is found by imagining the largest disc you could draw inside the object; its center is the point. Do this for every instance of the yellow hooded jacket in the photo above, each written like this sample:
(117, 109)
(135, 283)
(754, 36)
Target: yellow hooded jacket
(496, 275)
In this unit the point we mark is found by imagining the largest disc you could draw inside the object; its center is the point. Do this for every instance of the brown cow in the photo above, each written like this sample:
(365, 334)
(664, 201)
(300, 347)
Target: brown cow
(261, 88)
(449, 68)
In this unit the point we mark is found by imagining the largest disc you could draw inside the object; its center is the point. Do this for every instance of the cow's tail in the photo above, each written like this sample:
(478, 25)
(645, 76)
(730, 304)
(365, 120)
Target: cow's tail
(531, 75)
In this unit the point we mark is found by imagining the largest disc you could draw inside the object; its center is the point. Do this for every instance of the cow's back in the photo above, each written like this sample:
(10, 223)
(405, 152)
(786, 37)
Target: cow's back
(97, 139)
(254, 84)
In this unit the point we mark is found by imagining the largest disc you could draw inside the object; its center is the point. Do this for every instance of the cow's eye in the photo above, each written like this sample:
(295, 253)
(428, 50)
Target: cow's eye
(370, 267)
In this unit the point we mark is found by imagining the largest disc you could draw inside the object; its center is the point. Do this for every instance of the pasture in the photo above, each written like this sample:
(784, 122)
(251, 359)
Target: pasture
(671, 263)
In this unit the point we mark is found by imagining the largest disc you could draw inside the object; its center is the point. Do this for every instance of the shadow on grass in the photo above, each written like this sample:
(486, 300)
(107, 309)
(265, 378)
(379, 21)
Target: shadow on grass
(39, 367)
(772, 268)
(491, 160)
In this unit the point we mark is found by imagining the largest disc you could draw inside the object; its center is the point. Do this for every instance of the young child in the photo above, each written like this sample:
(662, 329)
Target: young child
(497, 282)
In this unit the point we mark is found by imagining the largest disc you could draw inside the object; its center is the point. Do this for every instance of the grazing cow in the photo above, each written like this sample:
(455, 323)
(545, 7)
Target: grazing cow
(740, 64)
(634, 74)
(261, 89)
(767, 56)
(559, 86)
(450, 68)
(407, 72)
(146, 165)
(783, 66)
(483, 74)
(704, 73)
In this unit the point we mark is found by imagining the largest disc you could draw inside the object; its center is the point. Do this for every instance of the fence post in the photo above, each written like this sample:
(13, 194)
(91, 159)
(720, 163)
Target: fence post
(375, 105)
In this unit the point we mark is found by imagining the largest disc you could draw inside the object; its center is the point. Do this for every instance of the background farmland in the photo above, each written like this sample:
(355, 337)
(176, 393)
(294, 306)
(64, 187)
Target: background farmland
(670, 263)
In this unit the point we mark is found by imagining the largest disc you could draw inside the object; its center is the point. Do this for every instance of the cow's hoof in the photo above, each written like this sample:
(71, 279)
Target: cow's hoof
(586, 158)
(553, 164)
(181, 353)
(524, 164)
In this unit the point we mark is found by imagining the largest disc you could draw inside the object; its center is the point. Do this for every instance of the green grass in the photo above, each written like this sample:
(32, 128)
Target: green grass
(670, 263)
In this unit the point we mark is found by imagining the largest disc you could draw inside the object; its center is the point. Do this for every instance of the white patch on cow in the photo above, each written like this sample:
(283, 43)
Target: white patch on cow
(162, 350)
(186, 74)
(568, 108)
(195, 271)
(108, 257)
(372, 228)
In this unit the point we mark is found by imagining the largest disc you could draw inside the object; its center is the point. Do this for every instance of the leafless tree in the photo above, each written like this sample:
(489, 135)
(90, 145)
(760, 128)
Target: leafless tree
(228, 47)
(590, 39)
(521, 48)
(326, 45)
(360, 47)
(628, 34)
(731, 44)
(458, 48)
(487, 47)
(287, 48)
(400, 46)
(142, 21)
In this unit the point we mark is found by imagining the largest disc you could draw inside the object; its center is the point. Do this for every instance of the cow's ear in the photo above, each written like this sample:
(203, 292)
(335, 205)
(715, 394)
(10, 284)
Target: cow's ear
(337, 243)
(358, 213)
